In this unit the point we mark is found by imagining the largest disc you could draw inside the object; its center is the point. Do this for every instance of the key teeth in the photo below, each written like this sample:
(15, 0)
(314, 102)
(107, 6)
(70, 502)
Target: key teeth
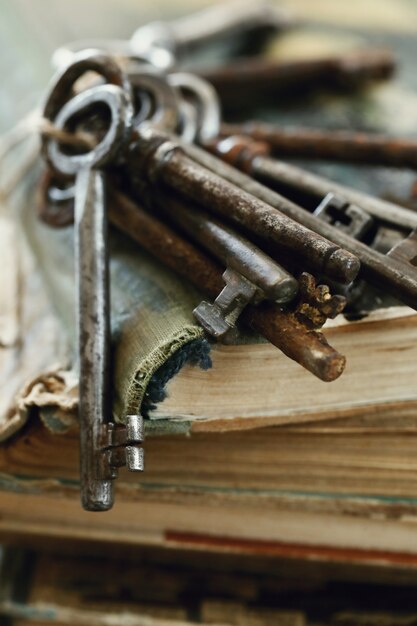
(211, 319)
(316, 304)
(121, 445)
(135, 459)
(134, 429)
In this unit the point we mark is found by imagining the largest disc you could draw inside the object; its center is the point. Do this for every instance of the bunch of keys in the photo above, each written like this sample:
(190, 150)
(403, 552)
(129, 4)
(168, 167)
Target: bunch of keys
(161, 131)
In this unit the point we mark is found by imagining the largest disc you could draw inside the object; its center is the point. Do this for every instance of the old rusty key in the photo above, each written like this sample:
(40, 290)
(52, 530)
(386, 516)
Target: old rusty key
(250, 276)
(104, 446)
(160, 161)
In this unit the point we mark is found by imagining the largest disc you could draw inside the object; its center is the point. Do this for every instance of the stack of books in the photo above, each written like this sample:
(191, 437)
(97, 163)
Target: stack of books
(282, 464)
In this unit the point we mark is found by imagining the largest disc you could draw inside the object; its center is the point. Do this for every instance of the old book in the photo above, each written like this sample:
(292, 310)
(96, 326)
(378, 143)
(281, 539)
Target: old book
(254, 384)
(341, 490)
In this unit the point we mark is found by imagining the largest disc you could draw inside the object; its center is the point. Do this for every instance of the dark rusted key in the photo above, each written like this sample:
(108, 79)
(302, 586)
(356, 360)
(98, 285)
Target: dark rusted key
(343, 145)
(253, 158)
(230, 23)
(103, 446)
(251, 275)
(388, 273)
(158, 159)
(244, 83)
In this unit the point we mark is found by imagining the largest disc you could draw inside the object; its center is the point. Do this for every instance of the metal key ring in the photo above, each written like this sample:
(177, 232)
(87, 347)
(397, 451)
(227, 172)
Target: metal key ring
(166, 103)
(188, 127)
(120, 125)
(54, 203)
(206, 102)
(61, 88)
(157, 35)
(159, 58)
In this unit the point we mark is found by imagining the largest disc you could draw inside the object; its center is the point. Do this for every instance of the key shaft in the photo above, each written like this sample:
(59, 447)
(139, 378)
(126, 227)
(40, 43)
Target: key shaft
(250, 81)
(345, 146)
(91, 258)
(394, 276)
(97, 465)
(252, 157)
(162, 160)
(234, 250)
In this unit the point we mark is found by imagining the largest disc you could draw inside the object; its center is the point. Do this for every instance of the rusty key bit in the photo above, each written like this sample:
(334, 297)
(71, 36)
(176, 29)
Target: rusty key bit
(350, 218)
(219, 319)
(298, 328)
(315, 304)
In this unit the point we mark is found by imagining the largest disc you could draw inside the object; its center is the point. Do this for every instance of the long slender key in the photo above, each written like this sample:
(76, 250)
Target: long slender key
(343, 145)
(104, 447)
(251, 275)
(247, 82)
(295, 182)
(391, 274)
(158, 159)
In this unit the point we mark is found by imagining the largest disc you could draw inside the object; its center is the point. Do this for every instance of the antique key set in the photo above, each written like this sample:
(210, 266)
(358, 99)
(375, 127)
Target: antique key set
(131, 138)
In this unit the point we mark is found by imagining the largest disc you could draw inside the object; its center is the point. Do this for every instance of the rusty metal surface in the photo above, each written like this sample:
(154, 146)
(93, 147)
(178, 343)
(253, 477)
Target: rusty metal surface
(305, 345)
(263, 79)
(219, 318)
(392, 275)
(230, 247)
(309, 348)
(343, 145)
(91, 258)
(252, 157)
(163, 161)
